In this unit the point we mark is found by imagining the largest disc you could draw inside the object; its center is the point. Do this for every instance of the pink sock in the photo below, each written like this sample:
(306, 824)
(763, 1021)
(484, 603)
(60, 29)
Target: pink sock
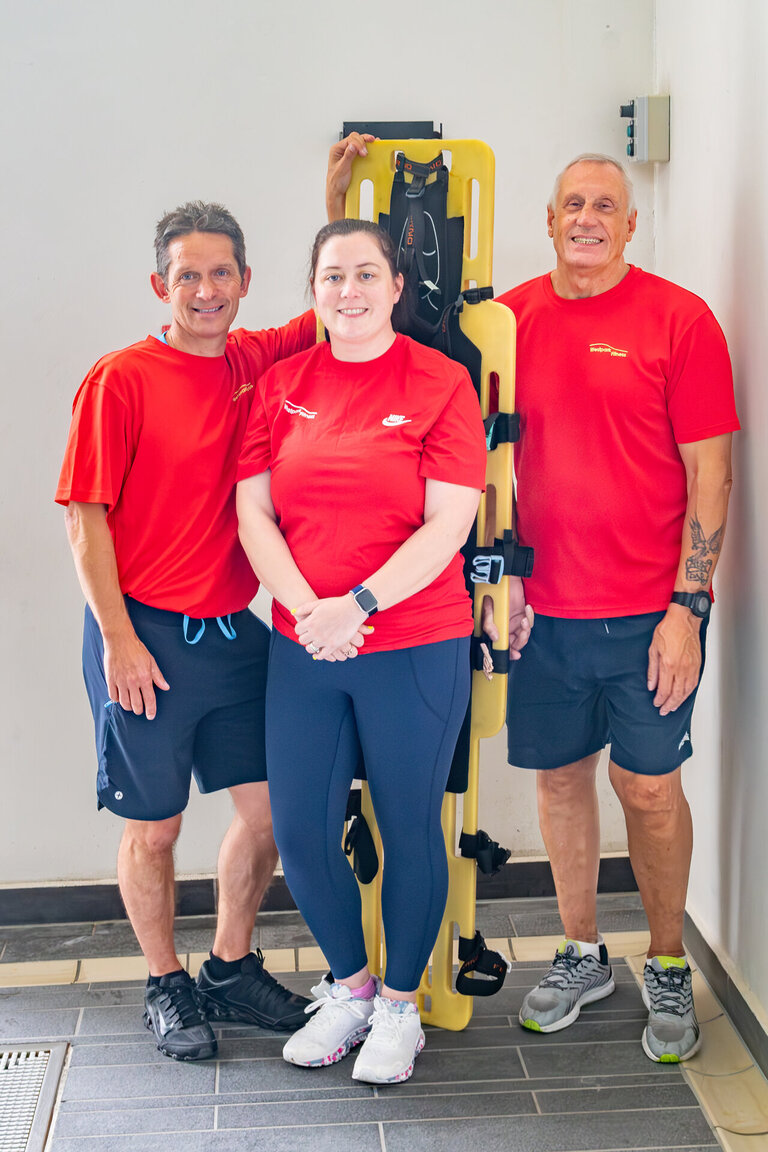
(367, 992)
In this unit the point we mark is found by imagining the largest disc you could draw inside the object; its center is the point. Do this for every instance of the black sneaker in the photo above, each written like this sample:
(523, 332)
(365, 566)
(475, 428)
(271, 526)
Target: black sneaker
(172, 1012)
(251, 996)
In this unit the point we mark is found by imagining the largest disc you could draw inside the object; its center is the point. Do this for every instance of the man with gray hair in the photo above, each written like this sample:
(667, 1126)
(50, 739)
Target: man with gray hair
(625, 395)
(174, 662)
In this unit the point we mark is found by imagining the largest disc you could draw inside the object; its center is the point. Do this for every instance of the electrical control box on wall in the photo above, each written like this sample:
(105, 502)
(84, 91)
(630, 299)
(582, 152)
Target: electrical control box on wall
(648, 128)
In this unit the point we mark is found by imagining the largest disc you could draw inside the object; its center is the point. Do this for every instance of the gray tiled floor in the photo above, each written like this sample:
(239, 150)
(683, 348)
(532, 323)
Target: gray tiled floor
(493, 1085)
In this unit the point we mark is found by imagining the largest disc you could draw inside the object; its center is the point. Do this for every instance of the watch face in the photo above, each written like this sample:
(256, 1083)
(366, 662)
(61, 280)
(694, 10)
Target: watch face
(366, 600)
(703, 605)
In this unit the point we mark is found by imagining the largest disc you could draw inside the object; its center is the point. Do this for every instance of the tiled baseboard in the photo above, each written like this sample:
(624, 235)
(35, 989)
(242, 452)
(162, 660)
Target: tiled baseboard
(74, 903)
(747, 1024)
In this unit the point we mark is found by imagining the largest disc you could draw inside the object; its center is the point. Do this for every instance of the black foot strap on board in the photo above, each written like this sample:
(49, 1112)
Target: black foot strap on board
(489, 854)
(358, 842)
(482, 971)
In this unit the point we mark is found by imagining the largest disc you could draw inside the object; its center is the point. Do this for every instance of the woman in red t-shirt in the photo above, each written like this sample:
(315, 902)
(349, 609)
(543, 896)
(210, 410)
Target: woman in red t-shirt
(360, 476)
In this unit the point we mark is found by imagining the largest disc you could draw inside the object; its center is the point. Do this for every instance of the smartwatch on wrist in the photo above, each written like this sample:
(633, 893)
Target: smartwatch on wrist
(365, 599)
(699, 603)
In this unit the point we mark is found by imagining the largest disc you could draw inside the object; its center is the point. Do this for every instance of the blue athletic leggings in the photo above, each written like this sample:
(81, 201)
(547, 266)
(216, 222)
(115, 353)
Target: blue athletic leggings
(404, 710)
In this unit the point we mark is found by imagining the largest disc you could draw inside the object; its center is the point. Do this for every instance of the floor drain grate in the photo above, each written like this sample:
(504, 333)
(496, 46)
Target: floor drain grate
(29, 1078)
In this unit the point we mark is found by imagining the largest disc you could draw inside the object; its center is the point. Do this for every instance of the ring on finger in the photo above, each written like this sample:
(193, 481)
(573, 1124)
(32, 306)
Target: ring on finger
(312, 648)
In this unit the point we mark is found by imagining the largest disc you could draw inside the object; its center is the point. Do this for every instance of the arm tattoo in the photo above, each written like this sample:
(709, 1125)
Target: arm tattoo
(697, 566)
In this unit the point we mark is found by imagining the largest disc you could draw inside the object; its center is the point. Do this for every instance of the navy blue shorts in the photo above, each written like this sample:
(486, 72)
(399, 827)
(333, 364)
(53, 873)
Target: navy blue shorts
(209, 724)
(582, 684)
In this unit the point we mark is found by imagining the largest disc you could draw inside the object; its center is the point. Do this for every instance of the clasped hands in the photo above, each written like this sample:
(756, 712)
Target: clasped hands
(331, 629)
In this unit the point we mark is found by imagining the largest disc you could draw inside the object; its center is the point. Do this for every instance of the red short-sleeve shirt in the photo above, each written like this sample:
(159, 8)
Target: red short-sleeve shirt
(155, 436)
(350, 447)
(607, 387)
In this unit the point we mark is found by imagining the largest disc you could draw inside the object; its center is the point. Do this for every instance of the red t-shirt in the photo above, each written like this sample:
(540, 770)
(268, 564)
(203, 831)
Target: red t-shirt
(155, 436)
(350, 447)
(607, 387)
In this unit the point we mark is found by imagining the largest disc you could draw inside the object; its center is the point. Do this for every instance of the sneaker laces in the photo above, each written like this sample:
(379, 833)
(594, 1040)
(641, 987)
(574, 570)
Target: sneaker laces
(179, 1005)
(387, 1025)
(342, 1001)
(264, 976)
(563, 967)
(668, 991)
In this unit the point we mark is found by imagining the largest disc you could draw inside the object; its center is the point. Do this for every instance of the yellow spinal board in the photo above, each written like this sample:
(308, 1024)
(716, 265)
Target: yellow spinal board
(491, 328)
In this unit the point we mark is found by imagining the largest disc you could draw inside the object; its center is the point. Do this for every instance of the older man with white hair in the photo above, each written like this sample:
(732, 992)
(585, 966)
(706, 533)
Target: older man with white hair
(625, 393)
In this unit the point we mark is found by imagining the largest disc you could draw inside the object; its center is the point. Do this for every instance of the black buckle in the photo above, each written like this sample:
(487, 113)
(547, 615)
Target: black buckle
(482, 971)
(501, 428)
(418, 172)
(473, 296)
(490, 856)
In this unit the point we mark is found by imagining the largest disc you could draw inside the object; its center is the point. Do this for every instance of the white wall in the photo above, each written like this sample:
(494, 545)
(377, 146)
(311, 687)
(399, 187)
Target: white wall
(114, 113)
(712, 236)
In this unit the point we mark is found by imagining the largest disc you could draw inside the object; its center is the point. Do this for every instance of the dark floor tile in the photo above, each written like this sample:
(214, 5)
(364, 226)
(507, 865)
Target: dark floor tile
(111, 1021)
(347, 1138)
(86, 1054)
(257, 1045)
(117, 941)
(196, 922)
(292, 919)
(553, 1059)
(629, 1130)
(390, 1104)
(269, 1075)
(37, 997)
(117, 996)
(279, 936)
(47, 931)
(49, 943)
(492, 921)
(482, 1065)
(493, 1036)
(116, 1122)
(355, 1091)
(607, 1099)
(656, 1074)
(169, 1079)
(550, 924)
(29, 1024)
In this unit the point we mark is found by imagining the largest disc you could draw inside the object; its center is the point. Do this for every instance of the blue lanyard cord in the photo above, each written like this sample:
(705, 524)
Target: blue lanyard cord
(199, 634)
(225, 626)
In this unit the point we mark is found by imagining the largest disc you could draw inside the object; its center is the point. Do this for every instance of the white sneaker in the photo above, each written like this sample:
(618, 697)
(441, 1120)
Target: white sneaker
(393, 1043)
(339, 1022)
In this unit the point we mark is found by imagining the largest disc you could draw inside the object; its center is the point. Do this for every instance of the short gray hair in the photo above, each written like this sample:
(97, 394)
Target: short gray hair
(597, 158)
(197, 216)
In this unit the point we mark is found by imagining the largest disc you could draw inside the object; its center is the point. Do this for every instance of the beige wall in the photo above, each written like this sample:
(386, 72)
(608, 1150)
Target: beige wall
(121, 111)
(712, 236)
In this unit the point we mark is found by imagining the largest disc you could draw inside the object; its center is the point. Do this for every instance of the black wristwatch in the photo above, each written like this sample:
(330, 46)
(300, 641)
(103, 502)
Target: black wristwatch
(699, 603)
(365, 599)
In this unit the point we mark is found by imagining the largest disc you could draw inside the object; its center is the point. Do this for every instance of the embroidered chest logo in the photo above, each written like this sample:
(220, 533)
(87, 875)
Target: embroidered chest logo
(298, 410)
(242, 391)
(393, 420)
(609, 350)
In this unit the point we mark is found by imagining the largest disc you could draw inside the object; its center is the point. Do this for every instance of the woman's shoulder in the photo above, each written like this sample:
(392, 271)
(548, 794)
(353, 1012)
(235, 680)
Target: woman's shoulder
(429, 360)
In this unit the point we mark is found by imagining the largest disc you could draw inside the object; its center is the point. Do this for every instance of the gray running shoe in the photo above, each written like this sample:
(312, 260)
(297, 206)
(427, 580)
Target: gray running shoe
(672, 1033)
(573, 980)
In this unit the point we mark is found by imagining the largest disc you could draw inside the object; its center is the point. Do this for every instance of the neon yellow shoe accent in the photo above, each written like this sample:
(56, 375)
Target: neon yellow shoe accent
(671, 961)
(534, 1027)
(668, 1058)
